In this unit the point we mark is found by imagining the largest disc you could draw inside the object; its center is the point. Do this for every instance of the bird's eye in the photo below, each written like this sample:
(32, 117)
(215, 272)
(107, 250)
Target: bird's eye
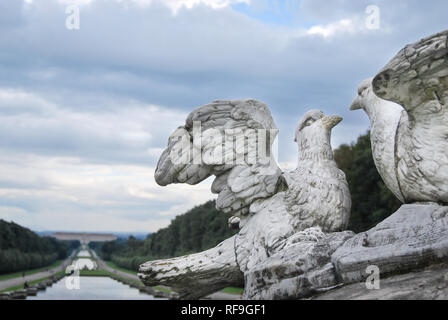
(309, 122)
(362, 90)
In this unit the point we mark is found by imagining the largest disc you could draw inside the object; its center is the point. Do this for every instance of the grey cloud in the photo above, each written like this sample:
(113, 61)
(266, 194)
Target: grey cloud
(10, 14)
(87, 84)
(191, 59)
(328, 11)
(199, 55)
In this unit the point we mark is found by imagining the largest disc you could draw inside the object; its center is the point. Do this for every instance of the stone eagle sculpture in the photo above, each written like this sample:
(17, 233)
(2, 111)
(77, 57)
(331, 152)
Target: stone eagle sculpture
(407, 106)
(281, 216)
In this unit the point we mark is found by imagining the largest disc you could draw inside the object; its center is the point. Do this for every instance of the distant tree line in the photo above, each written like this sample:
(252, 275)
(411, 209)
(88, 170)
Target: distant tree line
(201, 228)
(21, 249)
(204, 227)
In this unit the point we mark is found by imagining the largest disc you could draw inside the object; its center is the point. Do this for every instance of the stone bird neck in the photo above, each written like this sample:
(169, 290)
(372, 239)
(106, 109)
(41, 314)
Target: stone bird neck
(315, 147)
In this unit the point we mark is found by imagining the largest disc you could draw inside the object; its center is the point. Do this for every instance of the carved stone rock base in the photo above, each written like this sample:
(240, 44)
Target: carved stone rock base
(299, 269)
(430, 283)
(414, 236)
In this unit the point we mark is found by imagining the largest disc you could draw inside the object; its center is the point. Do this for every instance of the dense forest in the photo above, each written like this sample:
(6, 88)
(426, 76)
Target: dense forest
(22, 249)
(204, 227)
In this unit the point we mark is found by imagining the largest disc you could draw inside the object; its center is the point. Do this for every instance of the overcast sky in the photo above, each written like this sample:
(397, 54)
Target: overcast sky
(85, 114)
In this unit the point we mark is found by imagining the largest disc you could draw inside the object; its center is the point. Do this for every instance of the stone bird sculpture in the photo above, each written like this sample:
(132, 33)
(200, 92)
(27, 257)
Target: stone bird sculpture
(407, 106)
(273, 210)
(384, 117)
(318, 193)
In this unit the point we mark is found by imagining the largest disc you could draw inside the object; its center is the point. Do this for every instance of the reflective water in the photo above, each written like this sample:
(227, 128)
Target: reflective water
(83, 253)
(92, 288)
(84, 263)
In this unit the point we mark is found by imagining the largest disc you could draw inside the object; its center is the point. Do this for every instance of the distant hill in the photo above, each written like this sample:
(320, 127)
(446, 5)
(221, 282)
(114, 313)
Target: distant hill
(121, 235)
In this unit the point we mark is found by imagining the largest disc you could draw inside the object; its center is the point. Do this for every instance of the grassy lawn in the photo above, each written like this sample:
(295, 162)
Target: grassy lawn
(164, 289)
(95, 273)
(114, 266)
(57, 263)
(20, 286)
(233, 290)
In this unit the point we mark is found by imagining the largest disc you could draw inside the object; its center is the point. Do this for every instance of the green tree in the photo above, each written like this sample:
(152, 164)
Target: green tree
(22, 249)
(372, 201)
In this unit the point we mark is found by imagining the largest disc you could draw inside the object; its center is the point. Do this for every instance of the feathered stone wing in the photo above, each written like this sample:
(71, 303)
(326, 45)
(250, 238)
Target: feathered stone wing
(417, 79)
(231, 140)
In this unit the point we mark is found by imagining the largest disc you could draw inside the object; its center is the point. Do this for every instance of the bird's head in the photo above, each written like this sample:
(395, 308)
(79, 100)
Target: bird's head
(366, 97)
(314, 131)
(315, 121)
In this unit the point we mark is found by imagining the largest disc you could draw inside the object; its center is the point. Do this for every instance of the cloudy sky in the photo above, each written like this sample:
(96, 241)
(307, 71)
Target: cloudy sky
(85, 113)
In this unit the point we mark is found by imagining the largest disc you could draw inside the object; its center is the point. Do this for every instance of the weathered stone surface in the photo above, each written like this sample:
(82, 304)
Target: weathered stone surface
(196, 275)
(414, 236)
(300, 269)
(407, 106)
(384, 118)
(417, 74)
(428, 284)
(41, 286)
(31, 291)
(409, 130)
(318, 193)
(19, 294)
(5, 296)
(221, 139)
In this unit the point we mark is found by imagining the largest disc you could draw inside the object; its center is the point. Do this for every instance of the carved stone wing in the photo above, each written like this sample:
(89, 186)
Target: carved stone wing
(417, 78)
(417, 75)
(228, 139)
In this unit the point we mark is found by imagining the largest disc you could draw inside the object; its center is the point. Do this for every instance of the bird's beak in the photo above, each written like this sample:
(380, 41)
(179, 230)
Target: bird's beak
(331, 121)
(356, 105)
